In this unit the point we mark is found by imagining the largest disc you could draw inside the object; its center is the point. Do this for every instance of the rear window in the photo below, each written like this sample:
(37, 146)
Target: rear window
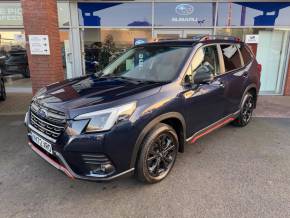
(247, 57)
(231, 57)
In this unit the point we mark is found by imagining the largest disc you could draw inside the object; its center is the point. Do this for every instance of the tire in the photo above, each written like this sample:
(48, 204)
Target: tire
(246, 112)
(2, 91)
(158, 154)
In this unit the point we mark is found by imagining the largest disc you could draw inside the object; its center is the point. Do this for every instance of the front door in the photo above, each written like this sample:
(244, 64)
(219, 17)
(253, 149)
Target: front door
(204, 103)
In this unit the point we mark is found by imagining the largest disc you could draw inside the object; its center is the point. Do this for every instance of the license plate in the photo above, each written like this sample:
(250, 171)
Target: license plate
(41, 142)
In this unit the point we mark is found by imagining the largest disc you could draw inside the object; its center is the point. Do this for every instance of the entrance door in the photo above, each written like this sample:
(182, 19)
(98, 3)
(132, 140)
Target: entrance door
(176, 33)
(272, 54)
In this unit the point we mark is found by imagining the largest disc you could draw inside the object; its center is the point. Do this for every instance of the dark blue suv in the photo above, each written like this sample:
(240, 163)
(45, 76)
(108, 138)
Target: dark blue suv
(144, 107)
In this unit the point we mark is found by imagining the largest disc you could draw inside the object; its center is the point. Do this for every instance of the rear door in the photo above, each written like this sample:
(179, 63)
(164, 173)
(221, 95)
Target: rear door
(233, 76)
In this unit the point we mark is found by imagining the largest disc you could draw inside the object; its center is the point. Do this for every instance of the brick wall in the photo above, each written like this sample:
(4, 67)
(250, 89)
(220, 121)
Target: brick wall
(40, 18)
(287, 84)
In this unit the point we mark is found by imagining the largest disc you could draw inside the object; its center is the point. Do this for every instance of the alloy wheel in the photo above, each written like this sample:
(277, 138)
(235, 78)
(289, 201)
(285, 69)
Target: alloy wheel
(161, 155)
(248, 109)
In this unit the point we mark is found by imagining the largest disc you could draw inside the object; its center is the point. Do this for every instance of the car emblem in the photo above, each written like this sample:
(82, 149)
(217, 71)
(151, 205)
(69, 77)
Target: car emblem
(42, 113)
(184, 9)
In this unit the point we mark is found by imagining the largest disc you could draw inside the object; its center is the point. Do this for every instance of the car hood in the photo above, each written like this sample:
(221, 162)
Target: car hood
(91, 90)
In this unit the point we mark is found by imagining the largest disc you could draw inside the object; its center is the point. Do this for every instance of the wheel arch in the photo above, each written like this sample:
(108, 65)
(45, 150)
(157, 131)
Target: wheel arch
(252, 88)
(174, 119)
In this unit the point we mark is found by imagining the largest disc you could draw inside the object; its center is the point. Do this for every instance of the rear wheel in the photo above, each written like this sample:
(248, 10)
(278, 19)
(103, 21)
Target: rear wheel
(158, 154)
(246, 112)
(2, 91)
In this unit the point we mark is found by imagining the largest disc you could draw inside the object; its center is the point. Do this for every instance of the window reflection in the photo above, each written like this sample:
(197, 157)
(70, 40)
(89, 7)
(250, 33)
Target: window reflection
(254, 14)
(101, 46)
(115, 14)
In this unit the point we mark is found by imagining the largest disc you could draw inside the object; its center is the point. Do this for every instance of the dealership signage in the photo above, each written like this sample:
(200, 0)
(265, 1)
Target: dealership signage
(39, 44)
(184, 13)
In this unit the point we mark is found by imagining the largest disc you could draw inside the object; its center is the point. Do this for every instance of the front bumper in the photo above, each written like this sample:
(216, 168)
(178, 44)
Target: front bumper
(62, 165)
(73, 154)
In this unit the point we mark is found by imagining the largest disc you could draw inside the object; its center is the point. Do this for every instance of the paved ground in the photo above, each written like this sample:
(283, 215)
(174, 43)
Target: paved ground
(273, 106)
(15, 104)
(232, 172)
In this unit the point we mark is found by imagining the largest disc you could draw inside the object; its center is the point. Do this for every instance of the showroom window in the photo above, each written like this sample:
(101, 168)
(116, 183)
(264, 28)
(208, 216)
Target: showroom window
(11, 14)
(184, 14)
(124, 14)
(254, 14)
(101, 46)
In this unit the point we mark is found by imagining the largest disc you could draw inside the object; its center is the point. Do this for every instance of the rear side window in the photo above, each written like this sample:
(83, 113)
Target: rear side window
(247, 57)
(231, 57)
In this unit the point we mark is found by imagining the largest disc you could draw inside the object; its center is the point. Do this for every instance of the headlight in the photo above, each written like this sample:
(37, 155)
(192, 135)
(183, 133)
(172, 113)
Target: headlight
(105, 119)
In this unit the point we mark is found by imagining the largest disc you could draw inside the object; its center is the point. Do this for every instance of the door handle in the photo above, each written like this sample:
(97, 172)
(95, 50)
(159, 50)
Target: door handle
(219, 83)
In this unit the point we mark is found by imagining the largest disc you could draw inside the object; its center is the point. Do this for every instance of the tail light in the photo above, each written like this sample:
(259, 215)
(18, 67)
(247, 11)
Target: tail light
(259, 69)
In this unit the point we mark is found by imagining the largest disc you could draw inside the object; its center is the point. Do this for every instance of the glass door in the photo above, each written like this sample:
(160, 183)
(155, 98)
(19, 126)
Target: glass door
(272, 54)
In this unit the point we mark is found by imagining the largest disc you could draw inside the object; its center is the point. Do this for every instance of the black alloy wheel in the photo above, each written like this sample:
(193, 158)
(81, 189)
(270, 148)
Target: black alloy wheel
(246, 111)
(158, 154)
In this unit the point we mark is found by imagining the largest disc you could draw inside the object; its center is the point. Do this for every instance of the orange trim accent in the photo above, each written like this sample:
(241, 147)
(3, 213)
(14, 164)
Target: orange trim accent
(51, 161)
(212, 129)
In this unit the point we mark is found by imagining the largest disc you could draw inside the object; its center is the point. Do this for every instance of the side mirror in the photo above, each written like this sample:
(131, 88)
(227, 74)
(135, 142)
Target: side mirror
(203, 75)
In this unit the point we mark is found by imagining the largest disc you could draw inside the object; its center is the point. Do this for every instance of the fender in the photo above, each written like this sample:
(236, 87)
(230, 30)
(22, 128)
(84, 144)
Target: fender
(149, 126)
(252, 85)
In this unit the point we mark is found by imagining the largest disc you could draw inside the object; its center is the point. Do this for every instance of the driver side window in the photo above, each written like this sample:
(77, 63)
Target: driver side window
(205, 60)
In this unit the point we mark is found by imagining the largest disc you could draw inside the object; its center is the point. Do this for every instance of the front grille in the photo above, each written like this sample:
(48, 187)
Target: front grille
(52, 125)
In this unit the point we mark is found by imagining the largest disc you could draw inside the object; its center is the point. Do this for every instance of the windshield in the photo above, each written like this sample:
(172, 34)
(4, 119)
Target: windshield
(149, 63)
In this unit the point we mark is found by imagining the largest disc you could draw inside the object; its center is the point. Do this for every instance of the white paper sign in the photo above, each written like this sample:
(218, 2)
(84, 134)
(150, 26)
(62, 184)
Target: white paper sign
(252, 39)
(39, 44)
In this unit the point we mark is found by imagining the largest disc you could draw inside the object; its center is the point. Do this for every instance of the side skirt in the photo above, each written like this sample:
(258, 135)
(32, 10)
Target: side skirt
(220, 123)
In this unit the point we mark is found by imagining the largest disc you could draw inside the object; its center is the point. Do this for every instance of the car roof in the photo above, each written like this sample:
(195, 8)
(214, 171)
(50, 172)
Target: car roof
(206, 39)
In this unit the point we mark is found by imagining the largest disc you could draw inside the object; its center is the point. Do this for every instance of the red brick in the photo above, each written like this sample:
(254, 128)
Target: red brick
(287, 84)
(44, 69)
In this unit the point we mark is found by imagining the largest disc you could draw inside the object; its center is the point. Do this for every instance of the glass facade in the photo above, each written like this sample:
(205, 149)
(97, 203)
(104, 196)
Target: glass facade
(254, 14)
(184, 14)
(106, 29)
(115, 14)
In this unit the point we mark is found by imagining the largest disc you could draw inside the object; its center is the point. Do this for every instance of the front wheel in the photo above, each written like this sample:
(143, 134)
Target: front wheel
(246, 112)
(158, 154)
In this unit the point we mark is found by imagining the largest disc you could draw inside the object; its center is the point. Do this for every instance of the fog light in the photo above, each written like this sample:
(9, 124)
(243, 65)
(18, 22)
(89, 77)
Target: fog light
(102, 170)
(99, 165)
(107, 168)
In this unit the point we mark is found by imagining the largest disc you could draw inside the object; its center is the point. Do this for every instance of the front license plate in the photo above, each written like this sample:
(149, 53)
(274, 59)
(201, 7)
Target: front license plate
(41, 142)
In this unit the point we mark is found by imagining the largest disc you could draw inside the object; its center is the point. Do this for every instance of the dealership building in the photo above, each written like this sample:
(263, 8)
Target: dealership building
(83, 36)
